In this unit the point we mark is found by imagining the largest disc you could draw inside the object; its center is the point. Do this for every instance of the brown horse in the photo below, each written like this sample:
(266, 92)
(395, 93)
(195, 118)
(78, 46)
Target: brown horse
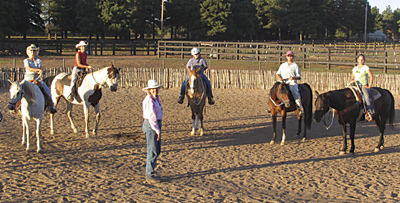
(281, 101)
(196, 94)
(348, 110)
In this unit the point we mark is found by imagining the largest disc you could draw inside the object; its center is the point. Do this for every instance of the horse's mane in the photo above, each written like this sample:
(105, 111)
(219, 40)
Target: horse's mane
(274, 89)
(29, 91)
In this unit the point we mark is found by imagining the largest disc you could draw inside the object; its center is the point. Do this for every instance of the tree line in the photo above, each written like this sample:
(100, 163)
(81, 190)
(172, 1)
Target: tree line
(228, 20)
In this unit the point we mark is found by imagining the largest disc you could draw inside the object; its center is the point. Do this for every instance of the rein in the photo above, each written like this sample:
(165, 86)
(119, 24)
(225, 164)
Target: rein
(278, 96)
(333, 116)
(202, 95)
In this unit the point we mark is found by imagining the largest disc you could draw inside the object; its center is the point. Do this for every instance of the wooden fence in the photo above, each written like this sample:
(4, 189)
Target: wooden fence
(67, 47)
(224, 79)
(377, 55)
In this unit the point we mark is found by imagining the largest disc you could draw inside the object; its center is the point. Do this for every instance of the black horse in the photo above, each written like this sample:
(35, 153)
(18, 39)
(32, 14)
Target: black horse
(348, 109)
(281, 101)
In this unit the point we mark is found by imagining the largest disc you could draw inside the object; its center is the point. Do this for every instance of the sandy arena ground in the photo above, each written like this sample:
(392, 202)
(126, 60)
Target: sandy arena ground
(233, 162)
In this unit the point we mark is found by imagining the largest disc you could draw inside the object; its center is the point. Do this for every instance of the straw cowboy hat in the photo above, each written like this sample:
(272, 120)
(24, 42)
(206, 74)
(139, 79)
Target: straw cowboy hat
(81, 43)
(32, 47)
(151, 84)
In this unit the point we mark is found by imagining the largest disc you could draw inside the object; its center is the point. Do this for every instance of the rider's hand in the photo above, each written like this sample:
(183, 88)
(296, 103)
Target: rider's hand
(158, 137)
(89, 67)
(39, 71)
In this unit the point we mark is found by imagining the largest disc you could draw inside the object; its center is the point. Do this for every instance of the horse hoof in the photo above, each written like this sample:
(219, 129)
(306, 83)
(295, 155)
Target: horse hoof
(342, 153)
(282, 143)
(304, 139)
(51, 132)
(272, 142)
(376, 150)
(75, 131)
(39, 150)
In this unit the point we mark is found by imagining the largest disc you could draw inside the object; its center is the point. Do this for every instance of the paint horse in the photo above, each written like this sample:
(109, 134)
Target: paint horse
(281, 101)
(88, 93)
(347, 104)
(196, 94)
(31, 108)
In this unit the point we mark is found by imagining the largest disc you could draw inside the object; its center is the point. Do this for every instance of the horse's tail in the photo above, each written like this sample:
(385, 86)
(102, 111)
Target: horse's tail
(308, 111)
(48, 80)
(392, 110)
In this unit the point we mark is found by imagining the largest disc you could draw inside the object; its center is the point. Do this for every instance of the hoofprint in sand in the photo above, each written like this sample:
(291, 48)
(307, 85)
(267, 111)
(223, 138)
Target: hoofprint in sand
(232, 162)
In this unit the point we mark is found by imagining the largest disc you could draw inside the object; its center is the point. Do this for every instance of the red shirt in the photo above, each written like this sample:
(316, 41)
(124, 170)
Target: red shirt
(83, 57)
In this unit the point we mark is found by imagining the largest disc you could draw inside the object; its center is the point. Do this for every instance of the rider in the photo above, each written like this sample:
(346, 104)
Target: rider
(79, 66)
(33, 70)
(362, 75)
(197, 62)
(290, 72)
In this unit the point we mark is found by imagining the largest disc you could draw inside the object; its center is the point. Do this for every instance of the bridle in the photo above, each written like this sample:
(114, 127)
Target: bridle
(278, 95)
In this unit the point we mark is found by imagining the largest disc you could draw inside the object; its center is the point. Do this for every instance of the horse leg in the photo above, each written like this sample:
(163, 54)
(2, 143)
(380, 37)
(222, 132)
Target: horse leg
(55, 101)
(343, 149)
(194, 124)
(381, 126)
(352, 133)
(274, 128)
(97, 110)
(298, 124)
(283, 127)
(27, 134)
(86, 111)
(69, 111)
(23, 132)
(38, 124)
(201, 124)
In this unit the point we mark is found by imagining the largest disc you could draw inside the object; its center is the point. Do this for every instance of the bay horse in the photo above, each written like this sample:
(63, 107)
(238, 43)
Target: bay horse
(196, 94)
(32, 108)
(281, 101)
(348, 109)
(88, 93)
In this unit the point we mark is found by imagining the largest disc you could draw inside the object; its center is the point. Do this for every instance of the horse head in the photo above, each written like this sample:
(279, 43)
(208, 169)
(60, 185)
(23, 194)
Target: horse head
(15, 95)
(192, 80)
(321, 106)
(281, 92)
(112, 78)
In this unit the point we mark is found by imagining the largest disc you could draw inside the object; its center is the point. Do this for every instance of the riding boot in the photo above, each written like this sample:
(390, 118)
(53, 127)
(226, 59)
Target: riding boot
(181, 98)
(211, 100)
(299, 107)
(71, 96)
(49, 102)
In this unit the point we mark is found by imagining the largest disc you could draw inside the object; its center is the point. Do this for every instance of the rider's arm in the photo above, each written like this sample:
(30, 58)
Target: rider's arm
(29, 68)
(278, 76)
(78, 61)
(370, 78)
(352, 78)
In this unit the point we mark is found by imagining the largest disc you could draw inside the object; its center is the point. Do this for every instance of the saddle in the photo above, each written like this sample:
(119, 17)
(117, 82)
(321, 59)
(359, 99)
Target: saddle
(375, 95)
(66, 80)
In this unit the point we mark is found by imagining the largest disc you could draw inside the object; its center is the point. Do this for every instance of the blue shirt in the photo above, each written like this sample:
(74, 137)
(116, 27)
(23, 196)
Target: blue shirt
(197, 63)
(36, 64)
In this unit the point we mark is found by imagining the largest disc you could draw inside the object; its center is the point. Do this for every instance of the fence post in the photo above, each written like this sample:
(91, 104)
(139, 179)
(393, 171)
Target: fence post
(386, 60)
(101, 48)
(114, 48)
(14, 62)
(61, 47)
(329, 58)
(148, 48)
(64, 63)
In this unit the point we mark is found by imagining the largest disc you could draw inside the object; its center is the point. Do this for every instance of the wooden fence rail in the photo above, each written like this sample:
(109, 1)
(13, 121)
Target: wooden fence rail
(220, 78)
(377, 56)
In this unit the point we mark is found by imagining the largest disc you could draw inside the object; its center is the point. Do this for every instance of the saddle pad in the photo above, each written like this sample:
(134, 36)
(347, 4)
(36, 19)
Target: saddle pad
(66, 80)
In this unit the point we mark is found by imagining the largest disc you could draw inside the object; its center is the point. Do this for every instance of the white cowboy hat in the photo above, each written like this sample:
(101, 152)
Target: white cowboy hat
(81, 43)
(151, 84)
(32, 47)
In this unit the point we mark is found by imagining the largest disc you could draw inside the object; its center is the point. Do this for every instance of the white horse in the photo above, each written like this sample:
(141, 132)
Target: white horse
(88, 93)
(32, 107)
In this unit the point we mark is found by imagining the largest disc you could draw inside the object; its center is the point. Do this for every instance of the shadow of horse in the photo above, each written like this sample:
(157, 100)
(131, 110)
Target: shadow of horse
(348, 110)
(196, 94)
(281, 101)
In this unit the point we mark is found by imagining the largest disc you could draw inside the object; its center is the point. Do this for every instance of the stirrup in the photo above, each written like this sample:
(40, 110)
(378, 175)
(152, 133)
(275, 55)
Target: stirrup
(180, 100)
(211, 101)
(368, 116)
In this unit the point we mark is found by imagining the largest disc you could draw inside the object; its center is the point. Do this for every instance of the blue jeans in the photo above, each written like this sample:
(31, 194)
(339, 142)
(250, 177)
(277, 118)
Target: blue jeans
(153, 147)
(368, 100)
(208, 84)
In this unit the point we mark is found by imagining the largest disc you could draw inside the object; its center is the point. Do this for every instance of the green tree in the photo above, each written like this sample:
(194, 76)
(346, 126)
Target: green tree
(215, 14)
(113, 14)
(88, 20)
(7, 22)
(243, 22)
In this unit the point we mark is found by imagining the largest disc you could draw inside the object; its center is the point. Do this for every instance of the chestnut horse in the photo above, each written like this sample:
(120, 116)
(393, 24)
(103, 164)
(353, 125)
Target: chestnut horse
(196, 94)
(281, 101)
(348, 110)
